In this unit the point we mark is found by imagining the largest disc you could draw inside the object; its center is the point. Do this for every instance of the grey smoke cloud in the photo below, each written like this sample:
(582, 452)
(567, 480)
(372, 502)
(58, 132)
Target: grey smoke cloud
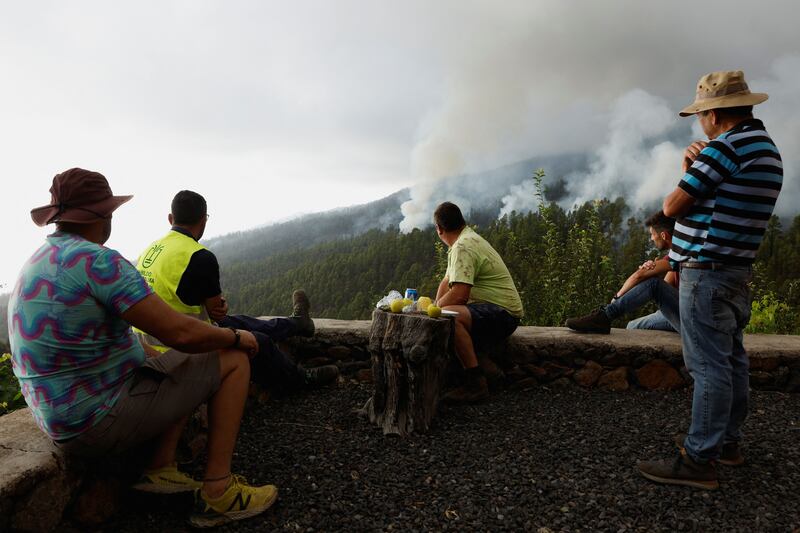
(570, 77)
(641, 162)
(635, 161)
(631, 163)
(273, 108)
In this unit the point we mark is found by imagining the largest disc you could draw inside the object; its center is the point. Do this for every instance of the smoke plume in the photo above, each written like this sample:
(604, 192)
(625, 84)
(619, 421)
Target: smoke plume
(639, 156)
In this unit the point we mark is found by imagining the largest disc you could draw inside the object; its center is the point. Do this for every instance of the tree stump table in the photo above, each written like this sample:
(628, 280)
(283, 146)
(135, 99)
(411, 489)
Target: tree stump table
(410, 354)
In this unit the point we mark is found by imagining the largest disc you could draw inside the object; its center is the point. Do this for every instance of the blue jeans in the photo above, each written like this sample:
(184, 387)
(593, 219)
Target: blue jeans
(270, 367)
(715, 308)
(654, 289)
(655, 320)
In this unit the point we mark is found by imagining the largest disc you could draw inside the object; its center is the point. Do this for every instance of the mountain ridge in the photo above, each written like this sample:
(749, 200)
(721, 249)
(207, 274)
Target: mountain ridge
(484, 190)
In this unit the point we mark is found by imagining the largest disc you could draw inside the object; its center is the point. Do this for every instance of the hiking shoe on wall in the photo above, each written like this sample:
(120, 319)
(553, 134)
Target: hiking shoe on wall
(167, 480)
(300, 304)
(595, 322)
(473, 391)
(239, 501)
(680, 471)
(301, 307)
(730, 455)
(319, 376)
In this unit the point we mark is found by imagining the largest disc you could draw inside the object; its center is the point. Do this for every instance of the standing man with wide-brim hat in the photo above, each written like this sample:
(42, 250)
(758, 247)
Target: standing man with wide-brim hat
(722, 205)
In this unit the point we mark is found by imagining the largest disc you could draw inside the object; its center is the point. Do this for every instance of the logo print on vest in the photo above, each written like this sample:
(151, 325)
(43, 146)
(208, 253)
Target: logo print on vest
(152, 255)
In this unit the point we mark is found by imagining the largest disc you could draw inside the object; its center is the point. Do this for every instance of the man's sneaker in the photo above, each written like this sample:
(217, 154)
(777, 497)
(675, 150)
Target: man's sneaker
(472, 391)
(167, 480)
(239, 501)
(595, 322)
(301, 307)
(319, 376)
(730, 455)
(680, 471)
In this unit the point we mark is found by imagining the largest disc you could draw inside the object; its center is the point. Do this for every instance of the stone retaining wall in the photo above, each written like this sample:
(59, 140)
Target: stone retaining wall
(38, 485)
(533, 356)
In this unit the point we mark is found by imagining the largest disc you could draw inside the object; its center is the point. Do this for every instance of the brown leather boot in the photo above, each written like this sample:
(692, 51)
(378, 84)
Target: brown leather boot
(301, 308)
(475, 388)
(595, 322)
(680, 471)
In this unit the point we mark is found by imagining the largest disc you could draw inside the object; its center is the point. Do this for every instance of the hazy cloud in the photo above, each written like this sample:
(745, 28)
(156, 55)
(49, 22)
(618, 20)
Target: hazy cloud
(271, 108)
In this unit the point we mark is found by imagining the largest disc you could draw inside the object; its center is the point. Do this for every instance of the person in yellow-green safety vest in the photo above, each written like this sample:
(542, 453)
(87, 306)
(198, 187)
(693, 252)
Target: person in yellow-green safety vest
(185, 274)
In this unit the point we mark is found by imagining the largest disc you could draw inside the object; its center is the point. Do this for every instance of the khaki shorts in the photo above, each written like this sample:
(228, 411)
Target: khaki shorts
(159, 393)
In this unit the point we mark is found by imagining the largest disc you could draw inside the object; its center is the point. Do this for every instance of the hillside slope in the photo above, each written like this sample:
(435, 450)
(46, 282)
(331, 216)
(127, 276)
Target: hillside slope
(484, 191)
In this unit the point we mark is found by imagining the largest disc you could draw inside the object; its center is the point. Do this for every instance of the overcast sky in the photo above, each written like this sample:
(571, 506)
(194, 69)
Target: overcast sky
(270, 109)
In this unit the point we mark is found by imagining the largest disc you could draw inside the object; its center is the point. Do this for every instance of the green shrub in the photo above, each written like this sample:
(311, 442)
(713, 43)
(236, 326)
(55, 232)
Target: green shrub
(10, 395)
(770, 315)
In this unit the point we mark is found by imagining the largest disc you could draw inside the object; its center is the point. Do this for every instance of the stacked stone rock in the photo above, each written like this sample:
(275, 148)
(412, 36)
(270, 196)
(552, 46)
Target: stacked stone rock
(534, 356)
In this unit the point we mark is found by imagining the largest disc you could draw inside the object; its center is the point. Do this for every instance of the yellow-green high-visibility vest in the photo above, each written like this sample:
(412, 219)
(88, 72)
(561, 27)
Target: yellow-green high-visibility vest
(162, 265)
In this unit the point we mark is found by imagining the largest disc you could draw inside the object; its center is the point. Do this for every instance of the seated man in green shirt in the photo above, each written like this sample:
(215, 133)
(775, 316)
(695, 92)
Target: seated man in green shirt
(477, 286)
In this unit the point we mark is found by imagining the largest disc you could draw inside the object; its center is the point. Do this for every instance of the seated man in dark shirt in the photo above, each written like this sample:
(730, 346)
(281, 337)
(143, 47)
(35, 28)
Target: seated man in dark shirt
(186, 275)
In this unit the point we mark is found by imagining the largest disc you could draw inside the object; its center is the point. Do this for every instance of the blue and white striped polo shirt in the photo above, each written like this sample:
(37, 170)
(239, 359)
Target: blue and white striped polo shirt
(735, 182)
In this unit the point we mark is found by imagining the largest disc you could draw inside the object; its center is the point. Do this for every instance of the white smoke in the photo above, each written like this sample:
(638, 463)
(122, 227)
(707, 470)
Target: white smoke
(480, 124)
(425, 196)
(475, 124)
(641, 141)
(521, 198)
(629, 164)
(418, 211)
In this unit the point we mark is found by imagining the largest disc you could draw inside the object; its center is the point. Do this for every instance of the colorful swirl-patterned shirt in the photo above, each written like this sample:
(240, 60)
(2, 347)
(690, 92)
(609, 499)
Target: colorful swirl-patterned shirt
(71, 350)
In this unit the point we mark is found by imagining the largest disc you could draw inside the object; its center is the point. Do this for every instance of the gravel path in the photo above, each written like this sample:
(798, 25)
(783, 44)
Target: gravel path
(536, 460)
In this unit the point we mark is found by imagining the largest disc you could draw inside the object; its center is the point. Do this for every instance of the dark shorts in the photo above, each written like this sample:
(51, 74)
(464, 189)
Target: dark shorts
(159, 393)
(491, 323)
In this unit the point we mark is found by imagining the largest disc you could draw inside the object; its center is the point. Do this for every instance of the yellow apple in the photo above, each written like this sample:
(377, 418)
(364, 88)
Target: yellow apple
(423, 303)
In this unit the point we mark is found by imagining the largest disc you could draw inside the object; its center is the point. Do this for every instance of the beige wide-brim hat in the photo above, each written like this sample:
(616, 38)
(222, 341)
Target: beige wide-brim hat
(722, 89)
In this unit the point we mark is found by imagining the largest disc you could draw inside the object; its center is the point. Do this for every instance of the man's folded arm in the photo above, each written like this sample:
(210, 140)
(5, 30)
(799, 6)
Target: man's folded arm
(457, 295)
(660, 269)
(153, 316)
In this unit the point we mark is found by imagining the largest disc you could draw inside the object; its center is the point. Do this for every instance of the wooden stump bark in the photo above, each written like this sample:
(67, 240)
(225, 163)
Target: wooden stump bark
(409, 354)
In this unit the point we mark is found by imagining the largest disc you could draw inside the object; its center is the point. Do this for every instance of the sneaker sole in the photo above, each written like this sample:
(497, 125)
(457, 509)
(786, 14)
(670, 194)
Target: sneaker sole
(705, 485)
(739, 461)
(163, 489)
(204, 521)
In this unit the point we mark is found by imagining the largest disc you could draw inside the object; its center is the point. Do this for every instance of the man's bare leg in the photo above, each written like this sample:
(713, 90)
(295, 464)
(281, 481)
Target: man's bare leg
(465, 350)
(225, 411)
(167, 444)
(475, 387)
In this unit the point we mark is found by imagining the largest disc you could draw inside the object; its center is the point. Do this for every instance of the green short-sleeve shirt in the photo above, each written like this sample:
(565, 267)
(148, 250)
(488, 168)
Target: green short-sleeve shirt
(473, 261)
